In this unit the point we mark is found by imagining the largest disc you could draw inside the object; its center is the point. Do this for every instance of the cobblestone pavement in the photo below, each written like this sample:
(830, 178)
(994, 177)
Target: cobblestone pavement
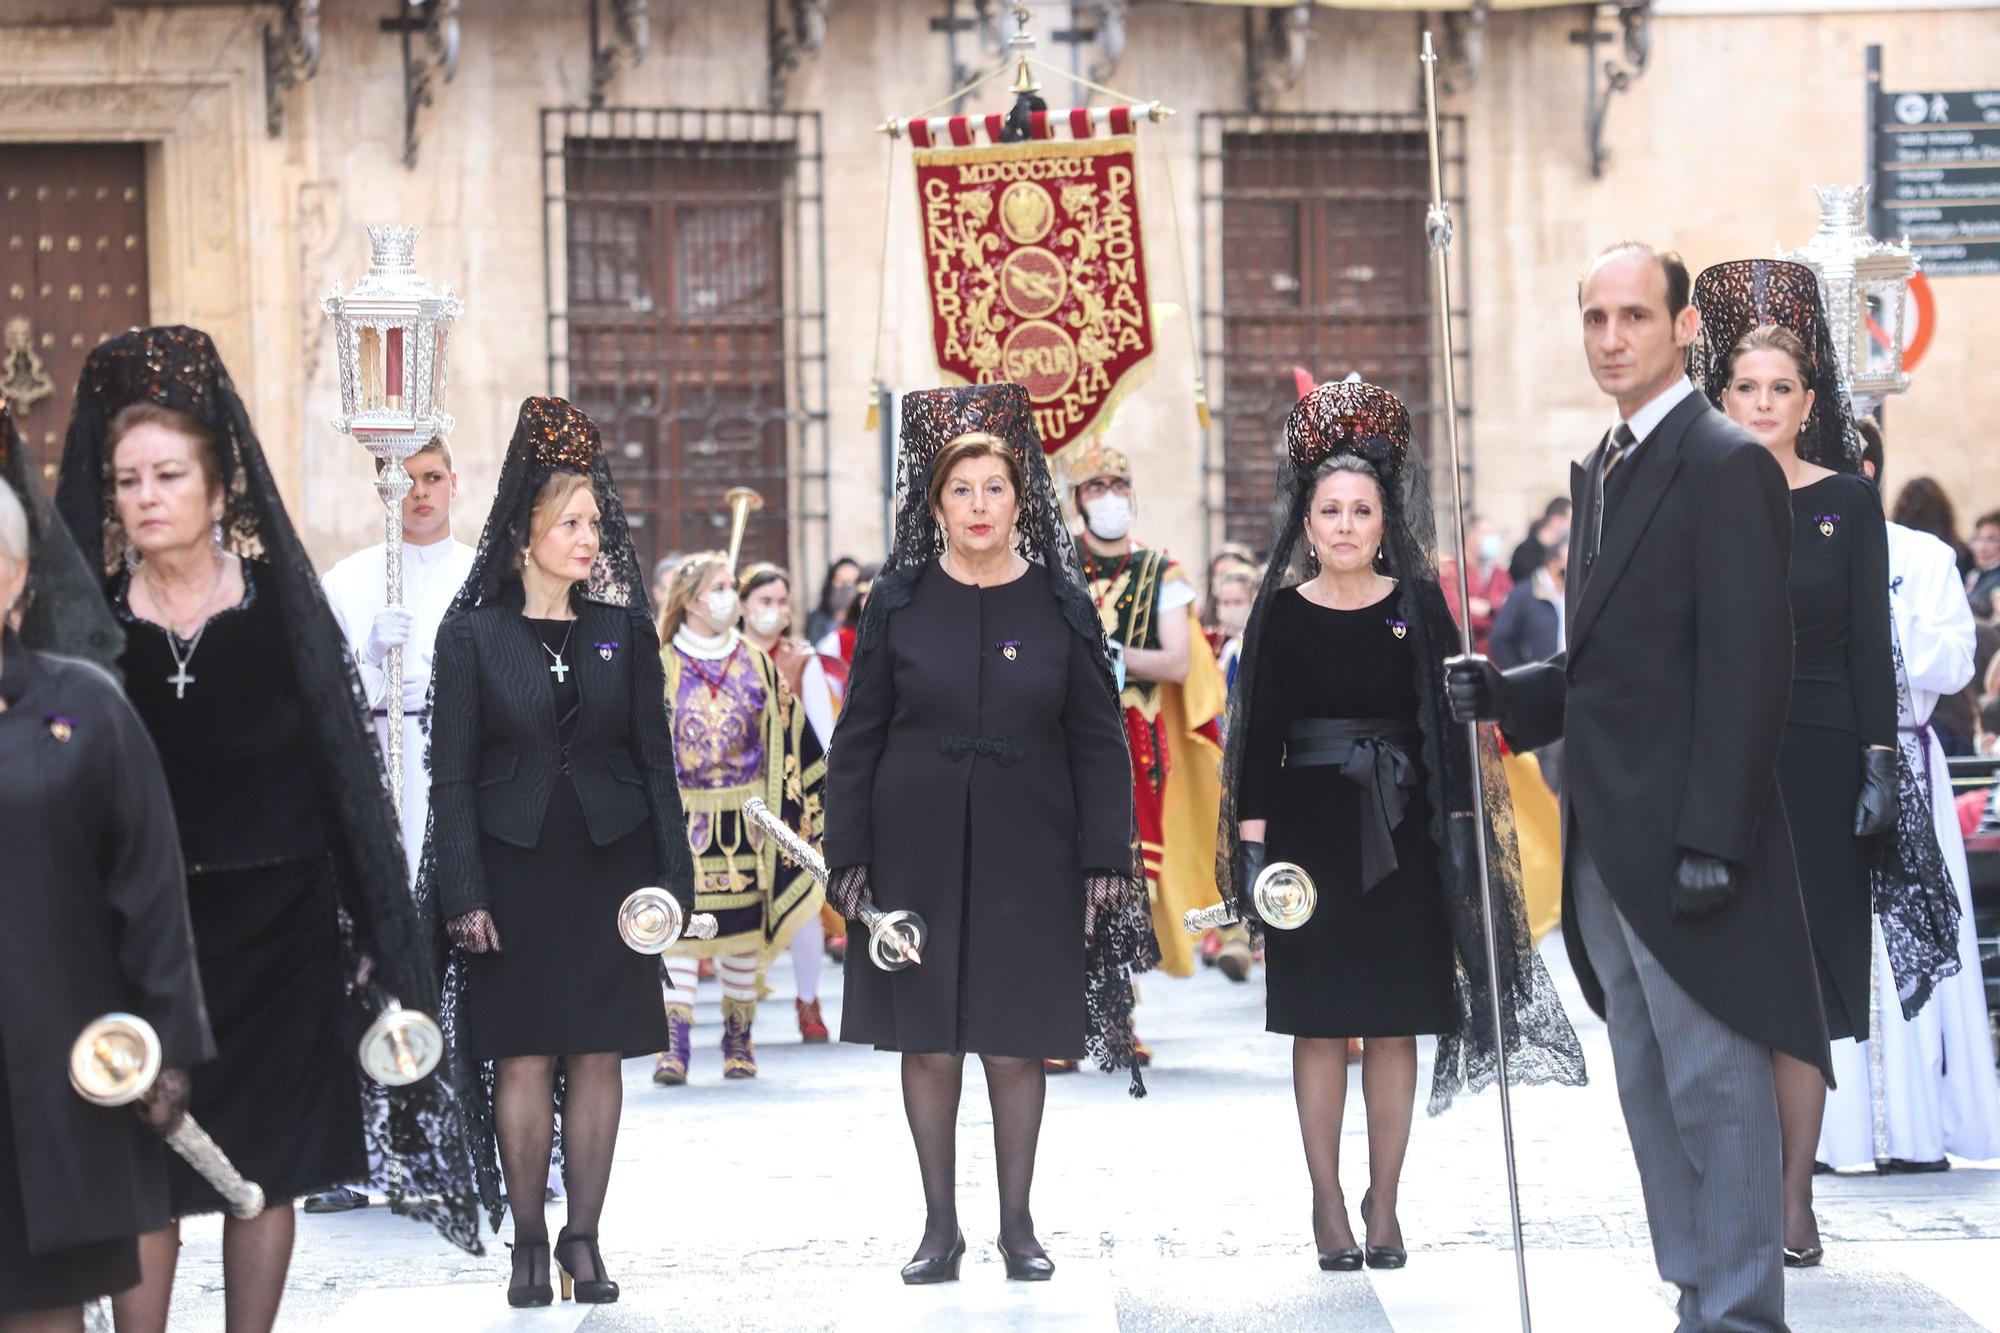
(789, 1203)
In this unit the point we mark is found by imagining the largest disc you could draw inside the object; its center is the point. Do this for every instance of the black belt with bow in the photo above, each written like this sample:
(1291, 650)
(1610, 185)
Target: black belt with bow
(1003, 749)
(1373, 754)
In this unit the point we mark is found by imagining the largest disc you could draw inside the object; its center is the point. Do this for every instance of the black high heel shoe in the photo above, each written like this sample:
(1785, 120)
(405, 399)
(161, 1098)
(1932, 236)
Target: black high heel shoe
(1381, 1256)
(1027, 1267)
(944, 1268)
(599, 1290)
(1346, 1260)
(529, 1294)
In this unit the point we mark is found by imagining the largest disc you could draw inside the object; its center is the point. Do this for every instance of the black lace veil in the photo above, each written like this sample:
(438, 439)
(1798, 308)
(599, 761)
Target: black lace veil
(422, 1138)
(1369, 423)
(932, 418)
(551, 435)
(1913, 896)
(64, 608)
(1746, 294)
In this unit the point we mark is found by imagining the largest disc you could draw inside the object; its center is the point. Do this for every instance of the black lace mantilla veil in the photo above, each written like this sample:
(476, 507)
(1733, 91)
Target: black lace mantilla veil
(1368, 422)
(1746, 294)
(932, 418)
(64, 607)
(1913, 896)
(421, 1135)
(550, 436)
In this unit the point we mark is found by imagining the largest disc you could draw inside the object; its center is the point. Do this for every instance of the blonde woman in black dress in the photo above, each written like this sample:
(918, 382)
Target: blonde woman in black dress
(1341, 760)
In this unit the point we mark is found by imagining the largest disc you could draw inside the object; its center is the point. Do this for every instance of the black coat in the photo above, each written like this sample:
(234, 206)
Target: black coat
(495, 753)
(96, 921)
(987, 839)
(1671, 701)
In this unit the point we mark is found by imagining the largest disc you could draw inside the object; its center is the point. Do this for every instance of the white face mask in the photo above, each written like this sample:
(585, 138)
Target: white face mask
(765, 621)
(720, 607)
(1109, 517)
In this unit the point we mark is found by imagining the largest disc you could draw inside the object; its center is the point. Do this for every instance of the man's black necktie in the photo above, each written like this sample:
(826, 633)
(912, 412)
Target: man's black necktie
(1623, 441)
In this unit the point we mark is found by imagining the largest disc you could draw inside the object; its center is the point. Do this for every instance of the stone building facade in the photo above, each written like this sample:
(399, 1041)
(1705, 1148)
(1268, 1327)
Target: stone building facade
(699, 259)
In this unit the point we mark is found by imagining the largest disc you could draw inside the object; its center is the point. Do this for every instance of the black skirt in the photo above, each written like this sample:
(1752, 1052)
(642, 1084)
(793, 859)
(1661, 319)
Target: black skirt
(1819, 776)
(30, 1282)
(282, 1097)
(1375, 964)
(563, 982)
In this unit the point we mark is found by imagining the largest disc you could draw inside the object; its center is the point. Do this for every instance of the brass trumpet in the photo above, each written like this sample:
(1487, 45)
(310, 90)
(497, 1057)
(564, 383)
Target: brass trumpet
(1283, 894)
(895, 939)
(742, 502)
(114, 1062)
(650, 920)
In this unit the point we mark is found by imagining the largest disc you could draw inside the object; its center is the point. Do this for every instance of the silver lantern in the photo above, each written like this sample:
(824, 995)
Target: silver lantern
(391, 335)
(1866, 283)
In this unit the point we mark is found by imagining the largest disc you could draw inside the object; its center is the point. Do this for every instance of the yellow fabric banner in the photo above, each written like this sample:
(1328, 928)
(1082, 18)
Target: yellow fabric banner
(1193, 800)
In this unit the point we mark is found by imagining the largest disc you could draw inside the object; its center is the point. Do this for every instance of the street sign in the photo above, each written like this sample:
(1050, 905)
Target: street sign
(1937, 178)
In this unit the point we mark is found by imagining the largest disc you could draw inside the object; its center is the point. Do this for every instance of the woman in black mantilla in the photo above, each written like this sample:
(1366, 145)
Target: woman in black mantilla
(1357, 775)
(238, 670)
(96, 909)
(981, 732)
(1764, 358)
(552, 798)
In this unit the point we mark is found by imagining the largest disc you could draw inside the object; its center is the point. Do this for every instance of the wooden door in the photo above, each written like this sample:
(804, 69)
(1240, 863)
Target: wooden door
(72, 274)
(677, 331)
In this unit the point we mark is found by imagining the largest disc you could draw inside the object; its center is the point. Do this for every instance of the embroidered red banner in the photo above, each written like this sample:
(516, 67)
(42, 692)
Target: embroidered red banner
(1037, 274)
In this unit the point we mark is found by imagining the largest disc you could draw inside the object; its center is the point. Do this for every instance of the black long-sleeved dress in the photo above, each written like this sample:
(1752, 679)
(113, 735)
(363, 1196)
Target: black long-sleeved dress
(95, 908)
(1843, 699)
(1373, 963)
(979, 768)
(282, 1096)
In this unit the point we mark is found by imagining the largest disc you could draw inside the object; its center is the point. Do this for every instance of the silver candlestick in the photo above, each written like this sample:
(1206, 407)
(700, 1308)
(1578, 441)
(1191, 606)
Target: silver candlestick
(115, 1062)
(391, 335)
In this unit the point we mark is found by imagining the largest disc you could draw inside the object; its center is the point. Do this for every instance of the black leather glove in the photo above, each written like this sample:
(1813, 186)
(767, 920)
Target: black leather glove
(1875, 812)
(1250, 858)
(1476, 688)
(847, 889)
(1703, 884)
(166, 1102)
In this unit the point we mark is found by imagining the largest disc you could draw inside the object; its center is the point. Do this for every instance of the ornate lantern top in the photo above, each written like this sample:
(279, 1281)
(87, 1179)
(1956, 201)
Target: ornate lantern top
(1866, 284)
(392, 334)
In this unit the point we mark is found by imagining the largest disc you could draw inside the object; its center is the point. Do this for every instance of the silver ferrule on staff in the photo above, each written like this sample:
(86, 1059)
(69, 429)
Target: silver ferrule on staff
(391, 334)
(895, 939)
(1438, 232)
(1283, 894)
(650, 920)
(115, 1061)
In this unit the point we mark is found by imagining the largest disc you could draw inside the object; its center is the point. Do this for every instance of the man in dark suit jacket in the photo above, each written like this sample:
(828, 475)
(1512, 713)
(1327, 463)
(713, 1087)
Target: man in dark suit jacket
(1681, 906)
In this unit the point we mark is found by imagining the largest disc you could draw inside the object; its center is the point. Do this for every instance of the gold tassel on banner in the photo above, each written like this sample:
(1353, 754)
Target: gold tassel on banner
(873, 420)
(1201, 412)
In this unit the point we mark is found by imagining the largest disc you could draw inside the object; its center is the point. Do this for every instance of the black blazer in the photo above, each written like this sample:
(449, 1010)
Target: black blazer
(1671, 702)
(495, 754)
(95, 905)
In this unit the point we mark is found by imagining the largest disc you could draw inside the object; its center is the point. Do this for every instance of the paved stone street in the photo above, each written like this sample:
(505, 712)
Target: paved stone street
(790, 1202)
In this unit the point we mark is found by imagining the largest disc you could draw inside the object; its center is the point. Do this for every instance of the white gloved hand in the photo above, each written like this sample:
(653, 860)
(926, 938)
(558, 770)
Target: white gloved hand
(416, 691)
(390, 630)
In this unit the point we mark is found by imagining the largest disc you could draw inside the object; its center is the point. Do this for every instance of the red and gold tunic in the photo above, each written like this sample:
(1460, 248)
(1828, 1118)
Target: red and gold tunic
(1172, 732)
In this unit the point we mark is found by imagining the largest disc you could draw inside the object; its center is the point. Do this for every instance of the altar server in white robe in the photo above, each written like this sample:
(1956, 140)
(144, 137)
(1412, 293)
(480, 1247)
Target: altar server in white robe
(1936, 1078)
(435, 565)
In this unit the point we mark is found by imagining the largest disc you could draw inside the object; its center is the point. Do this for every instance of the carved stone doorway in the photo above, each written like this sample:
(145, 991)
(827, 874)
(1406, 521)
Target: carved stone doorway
(72, 273)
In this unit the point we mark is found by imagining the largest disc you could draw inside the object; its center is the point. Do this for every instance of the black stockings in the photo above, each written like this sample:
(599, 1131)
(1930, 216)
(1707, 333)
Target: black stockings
(1389, 1088)
(524, 1112)
(1015, 1088)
